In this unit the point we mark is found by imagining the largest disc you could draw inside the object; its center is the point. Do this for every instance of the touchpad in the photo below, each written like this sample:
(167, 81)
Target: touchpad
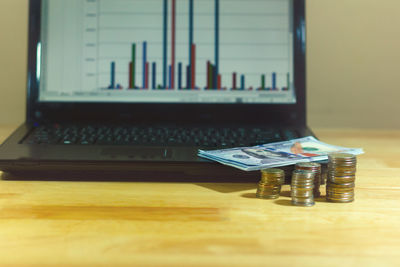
(153, 153)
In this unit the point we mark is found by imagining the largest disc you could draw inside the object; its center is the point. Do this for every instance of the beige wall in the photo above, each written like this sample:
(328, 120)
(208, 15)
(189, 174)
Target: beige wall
(13, 47)
(353, 63)
(353, 57)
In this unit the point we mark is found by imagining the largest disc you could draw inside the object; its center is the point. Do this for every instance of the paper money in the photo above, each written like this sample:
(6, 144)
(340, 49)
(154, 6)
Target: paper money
(307, 149)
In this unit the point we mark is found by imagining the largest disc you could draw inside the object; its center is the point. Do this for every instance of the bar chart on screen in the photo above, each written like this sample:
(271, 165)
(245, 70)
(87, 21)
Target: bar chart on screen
(190, 50)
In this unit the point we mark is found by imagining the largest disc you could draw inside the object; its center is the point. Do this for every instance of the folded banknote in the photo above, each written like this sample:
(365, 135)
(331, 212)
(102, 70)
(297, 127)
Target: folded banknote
(307, 149)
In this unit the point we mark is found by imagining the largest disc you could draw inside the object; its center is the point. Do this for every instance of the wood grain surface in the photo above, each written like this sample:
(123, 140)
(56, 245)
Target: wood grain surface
(206, 224)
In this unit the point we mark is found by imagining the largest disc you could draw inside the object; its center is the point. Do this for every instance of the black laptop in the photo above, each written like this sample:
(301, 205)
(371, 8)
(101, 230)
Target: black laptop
(121, 88)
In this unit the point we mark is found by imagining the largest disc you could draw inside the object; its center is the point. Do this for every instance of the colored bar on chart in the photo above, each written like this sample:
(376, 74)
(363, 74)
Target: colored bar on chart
(147, 75)
(133, 69)
(190, 39)
(170, 76)
(144, 63)
(217, 37)
(193, 67)
(188, 73)
(288, 81)
(211, 73)
(179, 75)
(165, 44)
(274, 81)
(112, 81)
(173, 29)
(130, 76)
(234, 81)
(219, 82)
(154, 75)
(208, 74)
(263, 82)
(242, 82)
(215, 78)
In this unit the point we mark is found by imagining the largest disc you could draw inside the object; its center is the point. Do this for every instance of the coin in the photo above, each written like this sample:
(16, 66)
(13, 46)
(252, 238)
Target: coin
(340, 190)
(273, 175)
(316, 168)
(341, 177)
(343, 158)
(301, 193)
(270, 184)
(341, 199)
(302, 188)
(305, 202)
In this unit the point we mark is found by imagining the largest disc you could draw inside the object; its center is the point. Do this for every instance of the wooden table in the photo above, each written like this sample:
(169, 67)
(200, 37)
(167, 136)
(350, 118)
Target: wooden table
(206, 224)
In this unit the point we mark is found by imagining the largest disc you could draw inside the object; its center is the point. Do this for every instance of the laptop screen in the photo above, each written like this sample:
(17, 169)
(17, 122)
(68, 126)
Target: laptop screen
(167, 51)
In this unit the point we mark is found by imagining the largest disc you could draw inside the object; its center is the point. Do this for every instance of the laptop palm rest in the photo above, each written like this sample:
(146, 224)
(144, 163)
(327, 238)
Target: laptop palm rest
(138, 153)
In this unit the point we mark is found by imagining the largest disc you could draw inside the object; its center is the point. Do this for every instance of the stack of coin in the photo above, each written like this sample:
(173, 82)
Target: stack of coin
(271, 183)
(341, 177)
(302, 188)
(316, 169)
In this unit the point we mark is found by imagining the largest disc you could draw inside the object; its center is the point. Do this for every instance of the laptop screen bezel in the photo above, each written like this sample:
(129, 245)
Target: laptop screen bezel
(280, 114)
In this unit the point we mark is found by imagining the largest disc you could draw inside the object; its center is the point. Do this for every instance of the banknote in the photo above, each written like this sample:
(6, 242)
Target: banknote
(307, 149)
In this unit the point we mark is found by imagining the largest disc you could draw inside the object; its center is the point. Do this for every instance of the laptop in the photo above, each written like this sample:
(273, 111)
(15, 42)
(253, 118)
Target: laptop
(120, 88)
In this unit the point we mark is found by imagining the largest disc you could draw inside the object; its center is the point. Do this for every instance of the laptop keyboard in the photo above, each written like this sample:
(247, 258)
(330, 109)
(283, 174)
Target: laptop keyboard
(205, 137)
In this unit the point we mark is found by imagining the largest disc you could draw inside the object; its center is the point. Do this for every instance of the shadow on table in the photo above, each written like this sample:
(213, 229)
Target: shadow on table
(229, 187)
(284, 198)
(288, 202)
